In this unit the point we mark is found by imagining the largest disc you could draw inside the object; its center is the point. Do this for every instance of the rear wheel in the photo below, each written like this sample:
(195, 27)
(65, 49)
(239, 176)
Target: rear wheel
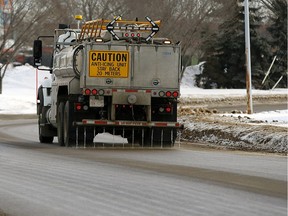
(43, 138)
(68, 132)
(60, 116)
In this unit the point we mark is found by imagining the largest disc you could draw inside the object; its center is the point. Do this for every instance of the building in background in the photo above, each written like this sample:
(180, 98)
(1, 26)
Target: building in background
(5, 11)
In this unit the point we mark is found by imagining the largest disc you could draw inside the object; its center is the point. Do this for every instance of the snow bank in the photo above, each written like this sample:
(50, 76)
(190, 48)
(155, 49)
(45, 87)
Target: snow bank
(189, 89)
(189, 75)
(277, 117)
(19, 90)
(237, 136)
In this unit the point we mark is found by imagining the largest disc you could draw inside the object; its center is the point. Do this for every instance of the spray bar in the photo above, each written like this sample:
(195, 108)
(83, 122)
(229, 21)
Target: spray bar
(91, 122)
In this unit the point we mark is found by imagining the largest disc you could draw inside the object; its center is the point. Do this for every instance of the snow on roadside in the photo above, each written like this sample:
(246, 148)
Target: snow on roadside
(277, 117)
(19, 90)
(234, 135)
(189, 75)
(256, 132)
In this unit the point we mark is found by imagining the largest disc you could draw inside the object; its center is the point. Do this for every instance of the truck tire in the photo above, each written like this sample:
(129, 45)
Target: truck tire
(41, 100)
(42, 137)
(60, 116)
(45, 139)
(68, 132)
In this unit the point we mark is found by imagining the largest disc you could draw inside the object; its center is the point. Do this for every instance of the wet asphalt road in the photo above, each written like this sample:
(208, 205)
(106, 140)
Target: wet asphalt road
(40, 179)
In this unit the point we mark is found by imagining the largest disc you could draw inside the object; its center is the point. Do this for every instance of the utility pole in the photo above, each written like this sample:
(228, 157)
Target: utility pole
(248, 58)
(0, 83)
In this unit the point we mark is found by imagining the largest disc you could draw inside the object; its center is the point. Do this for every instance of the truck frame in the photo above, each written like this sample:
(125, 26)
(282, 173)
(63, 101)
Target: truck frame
(110, 76)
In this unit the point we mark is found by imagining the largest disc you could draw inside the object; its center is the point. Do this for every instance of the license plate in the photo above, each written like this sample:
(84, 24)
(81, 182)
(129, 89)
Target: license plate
(96, 101)
(112, 64)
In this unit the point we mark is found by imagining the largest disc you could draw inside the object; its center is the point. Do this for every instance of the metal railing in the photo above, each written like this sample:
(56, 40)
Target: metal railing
(93, 29)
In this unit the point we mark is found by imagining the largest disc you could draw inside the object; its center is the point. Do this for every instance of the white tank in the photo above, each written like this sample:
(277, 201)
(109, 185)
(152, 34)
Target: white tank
(67, 58)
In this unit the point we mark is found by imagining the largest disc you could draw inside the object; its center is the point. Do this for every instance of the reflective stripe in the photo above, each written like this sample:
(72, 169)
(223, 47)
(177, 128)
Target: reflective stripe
(131, 90)
(128, 123)
(162, 124)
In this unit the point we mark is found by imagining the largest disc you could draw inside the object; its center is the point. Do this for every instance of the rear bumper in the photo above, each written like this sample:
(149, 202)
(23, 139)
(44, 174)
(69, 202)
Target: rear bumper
(141, 124)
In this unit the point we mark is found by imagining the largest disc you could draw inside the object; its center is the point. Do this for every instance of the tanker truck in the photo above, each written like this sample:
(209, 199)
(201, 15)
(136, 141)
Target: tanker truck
(110, 76)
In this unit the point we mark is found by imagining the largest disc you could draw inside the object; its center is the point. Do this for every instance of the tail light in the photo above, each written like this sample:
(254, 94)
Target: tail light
(127, 34)
(175, 94)
(168, 94)
(78, 106)
(165, 109)
(87, 91)
(168, 109)
(100, 92)
(94, 92)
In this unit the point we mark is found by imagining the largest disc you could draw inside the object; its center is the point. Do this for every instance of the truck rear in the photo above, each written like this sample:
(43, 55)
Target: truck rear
(116, 77)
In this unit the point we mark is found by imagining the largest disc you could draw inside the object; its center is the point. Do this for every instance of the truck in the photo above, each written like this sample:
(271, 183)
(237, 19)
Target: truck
(110, 76)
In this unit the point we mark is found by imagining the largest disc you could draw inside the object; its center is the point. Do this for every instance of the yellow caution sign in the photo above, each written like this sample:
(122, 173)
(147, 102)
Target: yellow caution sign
(113, 64)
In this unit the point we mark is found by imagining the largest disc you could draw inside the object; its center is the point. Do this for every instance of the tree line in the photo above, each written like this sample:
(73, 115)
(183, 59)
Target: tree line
(209, 30)
(224, 52)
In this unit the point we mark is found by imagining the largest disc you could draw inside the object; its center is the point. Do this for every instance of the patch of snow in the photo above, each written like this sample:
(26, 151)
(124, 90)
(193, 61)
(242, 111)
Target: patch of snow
(224, 93)
(277, 117)
(237, 136)
(189, 89)
(273, 116)
(109, 138)
(189, 75)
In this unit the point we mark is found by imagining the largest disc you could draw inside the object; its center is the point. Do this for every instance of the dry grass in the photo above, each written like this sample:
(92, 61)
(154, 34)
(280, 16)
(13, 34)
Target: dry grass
(2, 213)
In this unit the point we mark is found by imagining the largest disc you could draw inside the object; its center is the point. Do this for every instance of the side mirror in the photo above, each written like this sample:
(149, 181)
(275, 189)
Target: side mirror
(63, 26)
(37, 52)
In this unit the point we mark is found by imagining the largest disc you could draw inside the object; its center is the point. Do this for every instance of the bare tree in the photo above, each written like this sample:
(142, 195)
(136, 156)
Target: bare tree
(19, 26)
(90, 9)
(182, 20)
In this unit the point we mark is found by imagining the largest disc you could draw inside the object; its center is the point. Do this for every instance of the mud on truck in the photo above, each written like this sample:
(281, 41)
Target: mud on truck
(110, 76)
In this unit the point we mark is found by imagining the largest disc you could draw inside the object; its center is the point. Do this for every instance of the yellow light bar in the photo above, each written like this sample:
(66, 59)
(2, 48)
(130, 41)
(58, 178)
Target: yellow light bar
(78, 17)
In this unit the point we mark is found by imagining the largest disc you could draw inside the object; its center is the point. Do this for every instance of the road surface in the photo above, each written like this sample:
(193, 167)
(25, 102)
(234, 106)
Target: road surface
(39, 179)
